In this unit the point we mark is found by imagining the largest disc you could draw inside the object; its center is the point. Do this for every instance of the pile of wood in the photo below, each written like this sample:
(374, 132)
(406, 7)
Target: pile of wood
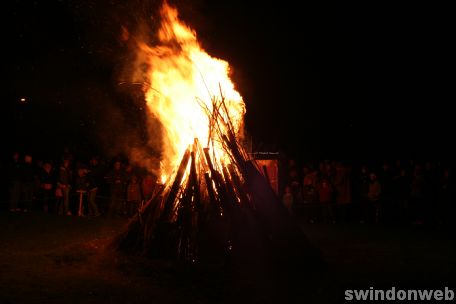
(215, 211)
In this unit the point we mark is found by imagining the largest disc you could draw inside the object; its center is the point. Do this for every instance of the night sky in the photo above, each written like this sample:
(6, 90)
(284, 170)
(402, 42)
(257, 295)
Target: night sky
(318, 81)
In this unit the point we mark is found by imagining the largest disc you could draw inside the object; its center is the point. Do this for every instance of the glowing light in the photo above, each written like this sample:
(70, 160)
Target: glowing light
(183, 81)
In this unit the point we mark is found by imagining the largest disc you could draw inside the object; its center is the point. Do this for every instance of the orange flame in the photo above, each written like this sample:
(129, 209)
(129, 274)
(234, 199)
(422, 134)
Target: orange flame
(182, 81)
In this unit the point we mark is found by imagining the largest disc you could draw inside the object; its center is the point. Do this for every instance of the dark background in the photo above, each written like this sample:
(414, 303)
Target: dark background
(340, 82)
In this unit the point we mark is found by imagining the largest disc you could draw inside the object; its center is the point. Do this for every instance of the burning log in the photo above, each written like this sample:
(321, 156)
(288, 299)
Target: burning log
(172, 194)
(217, 180)
(187, 217)
(231, 194)
(239, 187)
(214, 202)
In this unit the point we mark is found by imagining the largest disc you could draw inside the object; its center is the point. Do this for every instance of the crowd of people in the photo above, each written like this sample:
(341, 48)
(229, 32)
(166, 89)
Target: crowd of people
(332, 191)
(98, 187)
(328, 191)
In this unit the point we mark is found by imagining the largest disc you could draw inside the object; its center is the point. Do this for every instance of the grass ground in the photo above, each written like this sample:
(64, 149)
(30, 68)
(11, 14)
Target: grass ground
(52, 259)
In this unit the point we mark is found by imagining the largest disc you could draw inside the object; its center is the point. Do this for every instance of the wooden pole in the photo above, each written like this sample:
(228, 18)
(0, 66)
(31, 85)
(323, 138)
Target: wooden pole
(174, 190)
(239, 188)
(81, 207)
(229, 187)
(202, 157)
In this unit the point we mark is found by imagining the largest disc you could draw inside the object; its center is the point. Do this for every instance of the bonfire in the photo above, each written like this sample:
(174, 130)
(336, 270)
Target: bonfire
(213, 201)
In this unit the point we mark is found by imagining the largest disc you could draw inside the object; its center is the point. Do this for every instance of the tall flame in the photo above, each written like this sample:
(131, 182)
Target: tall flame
(182, 82)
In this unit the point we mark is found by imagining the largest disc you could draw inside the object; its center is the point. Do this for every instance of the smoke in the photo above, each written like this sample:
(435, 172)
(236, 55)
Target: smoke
(126, 128)
(139, 157)
(166, 65)
(144, 142)
(114, 32)
(120, 123)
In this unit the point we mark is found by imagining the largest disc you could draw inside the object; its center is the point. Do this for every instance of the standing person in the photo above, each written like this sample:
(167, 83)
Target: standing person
(116, 180)
(309, 193)
(296, 190)
(47, 188)
(15, 186)
(288, 199)
(418, 193)
(386, 179)
(148, 186)
(362, 190)
(133, 195)
(342, 185)
(374, 195)
(402, 183)
(445, 196)
(28, 182)
(325, 197)
(64, 186)
(81, 185)
(94, 177)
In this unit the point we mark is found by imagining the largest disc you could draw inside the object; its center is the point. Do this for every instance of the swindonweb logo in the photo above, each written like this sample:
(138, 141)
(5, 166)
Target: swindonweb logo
(394, 294)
